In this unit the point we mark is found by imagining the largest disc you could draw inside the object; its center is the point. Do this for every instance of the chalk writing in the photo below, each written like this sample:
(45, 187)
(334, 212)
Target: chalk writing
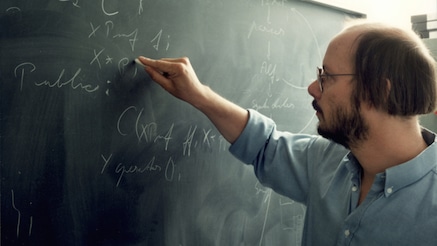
(107, 90)
(289, 83)
(132, 38)
(268, 68)
(21, 66)
(93, 30)
(74, 2)
(60, 82)
(109, 26)
(157, 41)
(14, 206)
(282, 104)
(267, 199)
(223, 143)
(21, 70)
(18, 213)
(265, 29)
(310, 28)
(206, 138)
(123, 169)
(147, 131)
(131, 121)
(106, 160)
(13, 9)
(96, 57)
(108, 59)
(269, 53)
(140, 8)
(123, 64)
(121, 117)
(169, 169)
(143, 131)
(167, 136)
(278, 103)
(106, 12)
(272, 2)
(292, 218)
(189, 141)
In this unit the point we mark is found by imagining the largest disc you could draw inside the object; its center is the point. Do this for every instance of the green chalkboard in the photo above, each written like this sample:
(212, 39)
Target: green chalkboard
(95, 153)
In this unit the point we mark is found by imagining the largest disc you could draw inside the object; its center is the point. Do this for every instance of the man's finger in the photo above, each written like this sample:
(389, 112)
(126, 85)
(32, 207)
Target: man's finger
(159, 77)
(161, 65)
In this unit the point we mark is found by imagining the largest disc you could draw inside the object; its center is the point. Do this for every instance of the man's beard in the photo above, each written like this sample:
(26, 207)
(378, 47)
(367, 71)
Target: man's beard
(347, 129)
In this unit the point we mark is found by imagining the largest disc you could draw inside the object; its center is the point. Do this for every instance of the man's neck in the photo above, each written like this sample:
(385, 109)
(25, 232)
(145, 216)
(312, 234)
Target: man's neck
(390, 142)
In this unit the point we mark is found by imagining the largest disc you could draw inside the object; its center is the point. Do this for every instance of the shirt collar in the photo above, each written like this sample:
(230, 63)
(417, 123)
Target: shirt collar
(352, 164)
(428, 136)
(402, 175)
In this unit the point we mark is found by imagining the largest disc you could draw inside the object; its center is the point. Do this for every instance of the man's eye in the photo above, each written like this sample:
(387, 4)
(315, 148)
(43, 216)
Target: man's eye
(324, 77)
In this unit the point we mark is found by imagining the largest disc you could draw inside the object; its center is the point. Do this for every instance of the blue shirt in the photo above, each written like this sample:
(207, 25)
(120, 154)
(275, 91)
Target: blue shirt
(400, 208)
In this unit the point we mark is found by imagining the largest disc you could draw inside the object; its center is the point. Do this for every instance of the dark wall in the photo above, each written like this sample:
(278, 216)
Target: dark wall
(95, 153)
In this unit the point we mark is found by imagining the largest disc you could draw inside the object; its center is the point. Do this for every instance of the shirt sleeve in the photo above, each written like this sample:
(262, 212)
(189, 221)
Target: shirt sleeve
(281, 160)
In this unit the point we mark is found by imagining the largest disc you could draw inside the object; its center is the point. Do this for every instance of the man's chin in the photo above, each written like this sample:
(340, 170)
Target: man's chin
(332, 136)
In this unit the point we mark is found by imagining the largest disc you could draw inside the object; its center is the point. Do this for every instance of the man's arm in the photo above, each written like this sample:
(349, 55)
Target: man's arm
(178, 77)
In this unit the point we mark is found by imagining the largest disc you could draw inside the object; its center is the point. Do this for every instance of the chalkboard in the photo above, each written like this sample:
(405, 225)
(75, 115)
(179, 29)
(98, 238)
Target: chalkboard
(95, 153)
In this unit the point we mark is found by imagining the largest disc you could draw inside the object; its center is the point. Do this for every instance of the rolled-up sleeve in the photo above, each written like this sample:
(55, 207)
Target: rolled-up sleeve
(253, 138)
(280, 159)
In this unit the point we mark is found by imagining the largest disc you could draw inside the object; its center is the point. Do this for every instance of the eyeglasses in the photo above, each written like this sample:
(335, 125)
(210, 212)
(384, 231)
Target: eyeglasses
(321, 76)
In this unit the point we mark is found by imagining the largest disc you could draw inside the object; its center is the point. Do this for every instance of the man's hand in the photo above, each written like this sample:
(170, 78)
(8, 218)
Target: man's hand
(178, 77)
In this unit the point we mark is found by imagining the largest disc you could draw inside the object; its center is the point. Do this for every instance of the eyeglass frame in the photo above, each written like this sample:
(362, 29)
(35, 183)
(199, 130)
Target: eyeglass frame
(321, 72)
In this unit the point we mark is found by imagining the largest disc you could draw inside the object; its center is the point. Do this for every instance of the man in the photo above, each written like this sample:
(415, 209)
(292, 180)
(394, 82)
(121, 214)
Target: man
(372, 179)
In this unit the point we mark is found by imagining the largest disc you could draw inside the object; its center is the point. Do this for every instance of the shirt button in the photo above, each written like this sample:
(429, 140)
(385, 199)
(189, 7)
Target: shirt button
(354, 188)
(389, 190)
(347, 233)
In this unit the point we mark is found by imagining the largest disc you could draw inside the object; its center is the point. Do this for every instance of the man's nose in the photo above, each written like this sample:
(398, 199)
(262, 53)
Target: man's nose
(314, 89)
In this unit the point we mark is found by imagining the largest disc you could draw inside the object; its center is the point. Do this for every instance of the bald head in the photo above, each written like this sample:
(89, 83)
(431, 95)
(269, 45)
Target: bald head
(394, 70)
(340, 54)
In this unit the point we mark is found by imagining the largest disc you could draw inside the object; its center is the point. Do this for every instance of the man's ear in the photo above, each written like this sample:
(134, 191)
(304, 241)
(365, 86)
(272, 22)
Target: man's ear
(387, 96)
(388, 84)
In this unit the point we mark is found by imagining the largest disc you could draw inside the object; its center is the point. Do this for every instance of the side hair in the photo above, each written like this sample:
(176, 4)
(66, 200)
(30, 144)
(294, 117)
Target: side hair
(395, 71)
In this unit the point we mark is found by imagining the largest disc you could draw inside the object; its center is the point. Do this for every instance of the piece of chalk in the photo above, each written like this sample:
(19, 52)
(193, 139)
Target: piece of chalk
(137, 61)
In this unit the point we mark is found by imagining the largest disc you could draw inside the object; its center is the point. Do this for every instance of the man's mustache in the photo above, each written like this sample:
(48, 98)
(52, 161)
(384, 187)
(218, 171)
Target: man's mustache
(316, 106)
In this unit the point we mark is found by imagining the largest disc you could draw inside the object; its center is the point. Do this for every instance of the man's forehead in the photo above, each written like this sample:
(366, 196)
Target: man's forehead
(341, 51)
(347, 38)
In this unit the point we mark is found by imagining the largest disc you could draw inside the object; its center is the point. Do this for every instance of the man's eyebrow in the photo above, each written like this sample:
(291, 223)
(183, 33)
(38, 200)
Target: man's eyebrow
(325, 69)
